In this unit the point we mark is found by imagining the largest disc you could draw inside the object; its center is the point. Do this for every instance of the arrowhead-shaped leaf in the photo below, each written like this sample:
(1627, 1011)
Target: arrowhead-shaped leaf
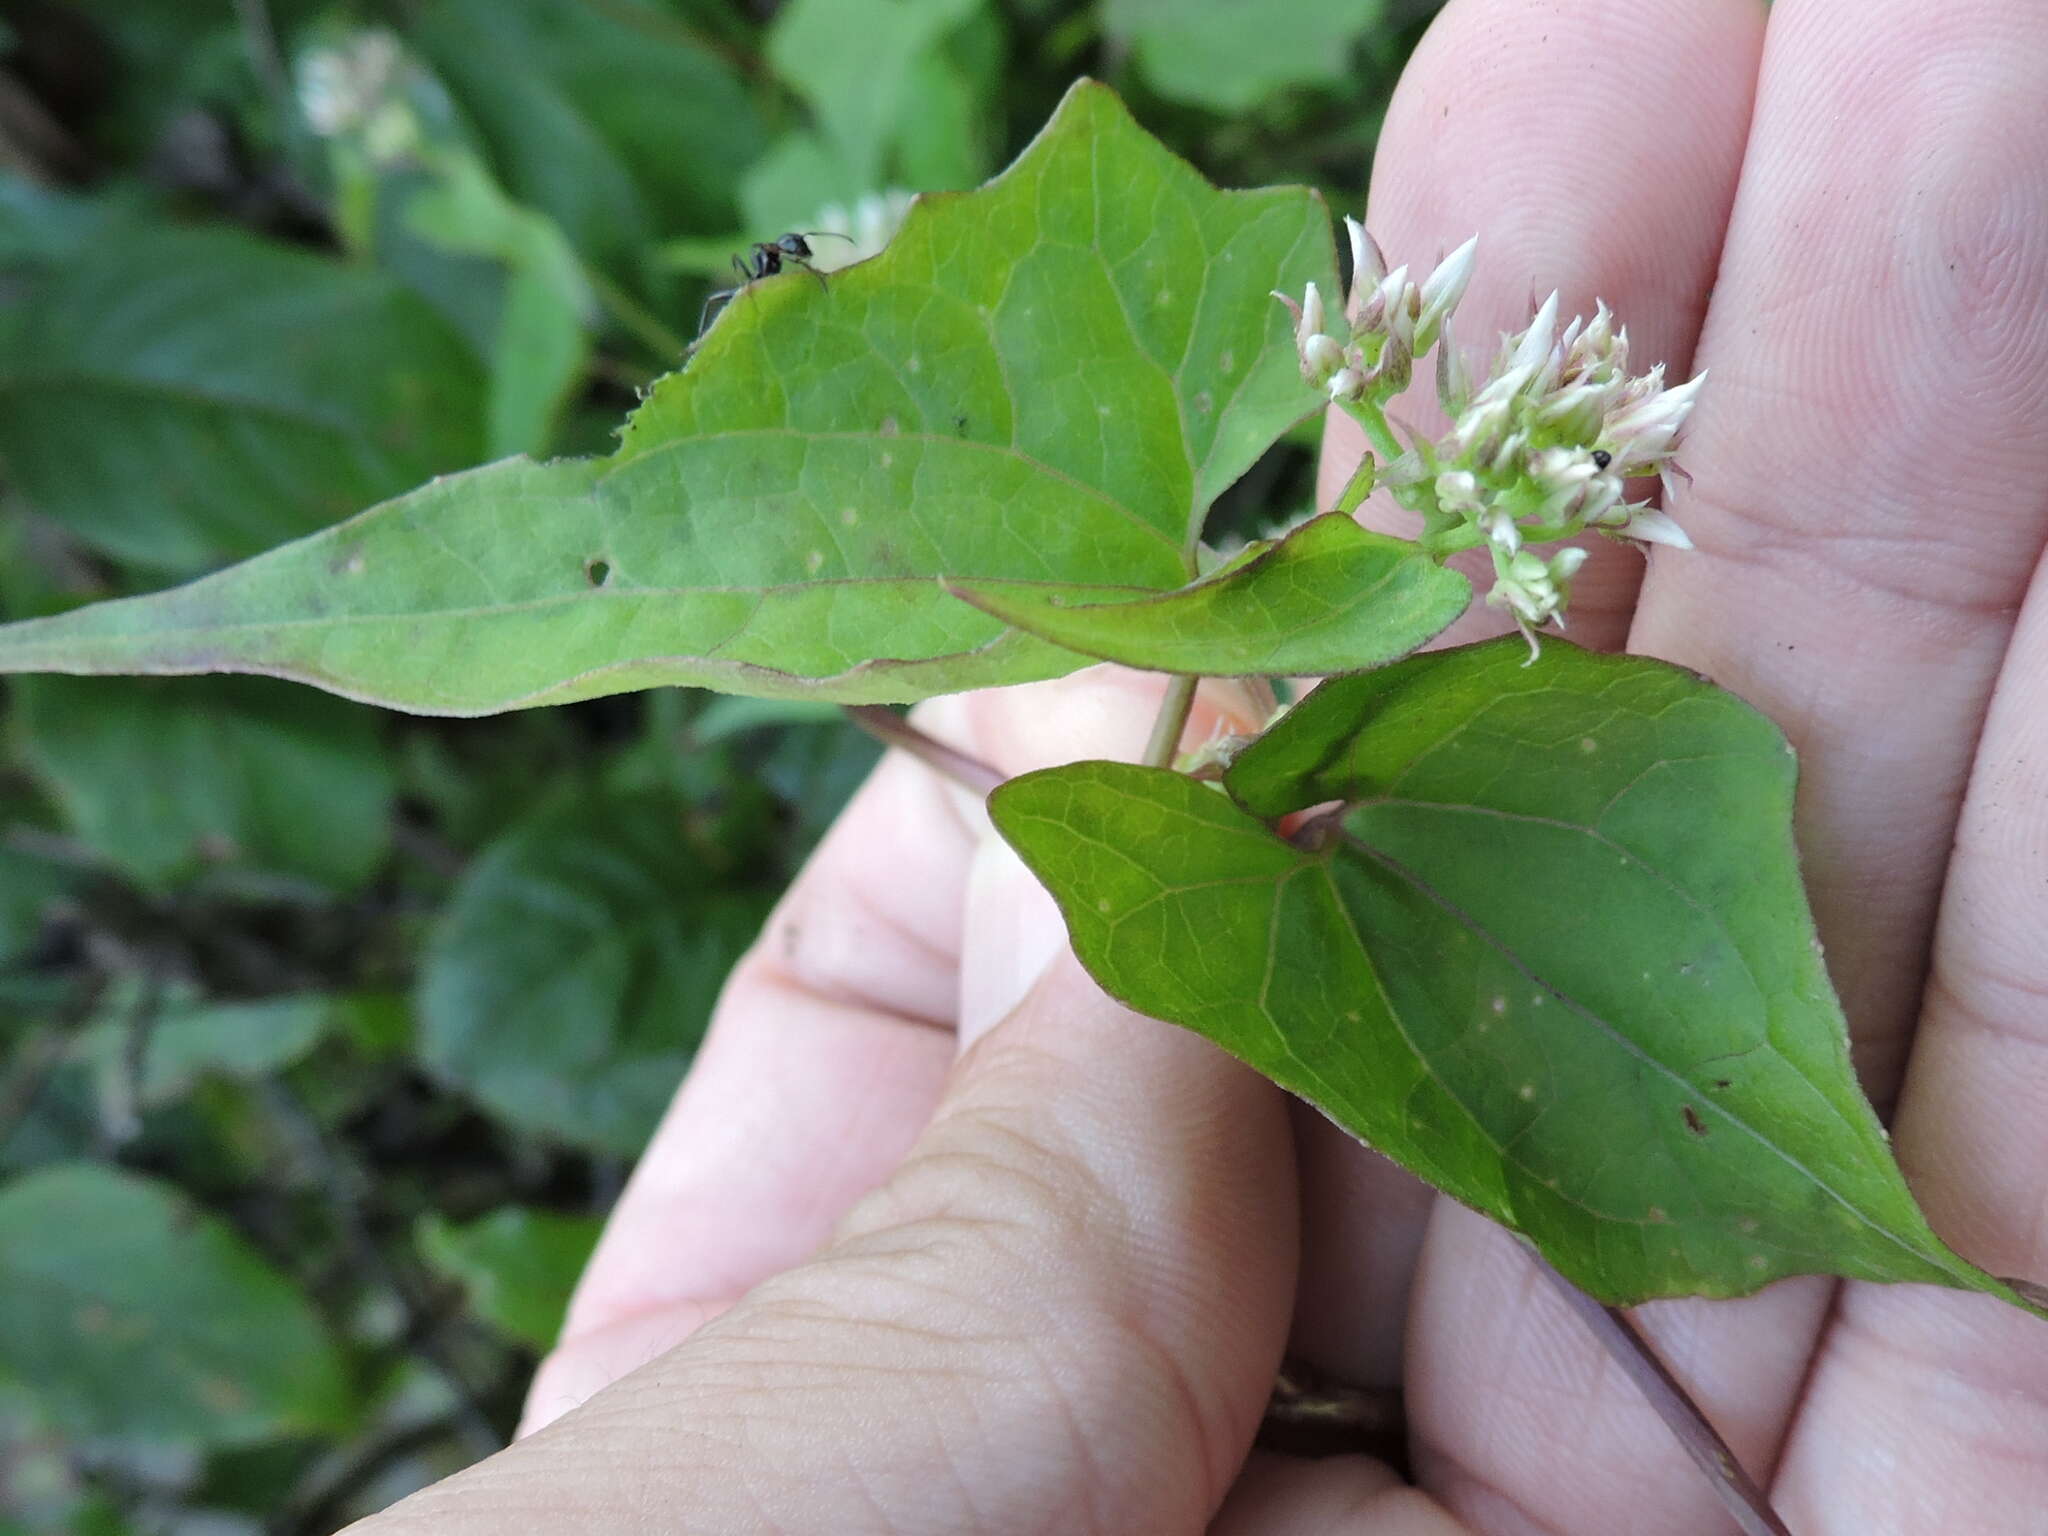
(1047, 380)
(1553, 956)
(1330, 597)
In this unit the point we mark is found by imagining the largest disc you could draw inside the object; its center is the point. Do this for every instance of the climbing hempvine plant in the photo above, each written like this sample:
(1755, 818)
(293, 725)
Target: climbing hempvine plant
(1525, 918)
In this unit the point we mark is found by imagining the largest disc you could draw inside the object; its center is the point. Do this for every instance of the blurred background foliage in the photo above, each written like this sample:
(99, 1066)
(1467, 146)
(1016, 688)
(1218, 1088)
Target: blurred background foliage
(330, 1035)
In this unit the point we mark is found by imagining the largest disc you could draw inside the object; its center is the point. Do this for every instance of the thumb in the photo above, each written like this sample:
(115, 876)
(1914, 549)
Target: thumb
(1063, 1312)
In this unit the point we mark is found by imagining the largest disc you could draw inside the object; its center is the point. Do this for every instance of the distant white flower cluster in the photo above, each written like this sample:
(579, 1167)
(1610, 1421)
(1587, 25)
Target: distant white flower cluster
(1540, 451)
(356, 90)
(871, 224)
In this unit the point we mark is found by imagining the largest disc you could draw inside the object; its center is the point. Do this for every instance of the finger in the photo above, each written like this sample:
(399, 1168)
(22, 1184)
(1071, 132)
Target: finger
(1829, 592)
(1062, 1313)
(1521, 1422)
(1868, 462)
(1512, 119)
(1337, 1496)
(1594, 149)
(1942, 1401)
(832, 1039)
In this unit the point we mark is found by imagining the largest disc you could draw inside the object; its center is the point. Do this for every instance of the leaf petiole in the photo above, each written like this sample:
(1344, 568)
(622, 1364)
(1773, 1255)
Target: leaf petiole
(1171, 720)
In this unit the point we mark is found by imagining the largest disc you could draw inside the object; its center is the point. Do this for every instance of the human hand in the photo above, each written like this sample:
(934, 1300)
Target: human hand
(1044, 1285)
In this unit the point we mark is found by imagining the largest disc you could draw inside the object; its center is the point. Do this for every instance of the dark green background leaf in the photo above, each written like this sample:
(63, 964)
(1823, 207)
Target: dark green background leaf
(1048, 380)
(517, 1266)
(575, 966)
(241, 770)
(855, 62)
(1556, 959)
(179, 397)
(618, 120)
(133, 1313)
(1230, 55)
(1330, 597)
(189, 1038)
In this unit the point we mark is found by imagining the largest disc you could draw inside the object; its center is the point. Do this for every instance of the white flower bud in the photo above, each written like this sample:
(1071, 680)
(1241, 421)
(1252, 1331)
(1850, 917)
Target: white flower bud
(1321, 356)
(1646, 433)
(1457, 490)
(1396, 299)
(1368, 262)
(1311, 322)
(1501, 530)
(1596, 346)
(1346, 384)
(1576, 411)
(1564, 565)
(1442, 290)
(1532, 349)
(1558, 469)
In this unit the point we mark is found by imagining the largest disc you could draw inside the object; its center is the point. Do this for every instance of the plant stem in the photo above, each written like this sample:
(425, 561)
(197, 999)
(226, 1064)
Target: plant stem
(1738, 1493)
(893, 730)
(1369, 416)
(1171, 721)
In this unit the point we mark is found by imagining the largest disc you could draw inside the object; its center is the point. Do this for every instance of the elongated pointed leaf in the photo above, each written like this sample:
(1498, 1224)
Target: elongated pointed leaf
(1554, 958)
(1046, 380)
(1330, 597)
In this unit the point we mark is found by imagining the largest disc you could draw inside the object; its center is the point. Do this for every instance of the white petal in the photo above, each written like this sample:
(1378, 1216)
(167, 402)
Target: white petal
(1564, 565)
(1311, 313)
(1532, 350)
(1654, 527)
(1368, 264)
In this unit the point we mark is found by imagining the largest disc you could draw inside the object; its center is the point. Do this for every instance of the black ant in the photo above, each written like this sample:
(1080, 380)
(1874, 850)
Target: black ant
(766, 258)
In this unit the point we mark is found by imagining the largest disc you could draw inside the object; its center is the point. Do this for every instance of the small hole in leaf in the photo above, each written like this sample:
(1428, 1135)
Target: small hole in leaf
(1693, 1122)
(597, 571)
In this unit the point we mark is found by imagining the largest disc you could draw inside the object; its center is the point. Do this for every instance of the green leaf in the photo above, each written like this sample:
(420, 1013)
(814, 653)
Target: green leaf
(41, 226)
(617, 120)
(518, 1266)
(572, 971)
(178, 397)
(786, 188)
(1050, 379)
(135, 1314)
(194, 1038)
(946, 130)
(539, 347)
(1554, 957)
(854, 61)
(1329, 597)
(31, 883)
(1230, 55)
(240, 771)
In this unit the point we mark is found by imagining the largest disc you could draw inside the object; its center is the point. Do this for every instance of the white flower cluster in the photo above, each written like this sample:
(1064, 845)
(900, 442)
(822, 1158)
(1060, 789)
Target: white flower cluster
(870, 225)
(356, 90)
(1393, 321)
(1540, 451)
